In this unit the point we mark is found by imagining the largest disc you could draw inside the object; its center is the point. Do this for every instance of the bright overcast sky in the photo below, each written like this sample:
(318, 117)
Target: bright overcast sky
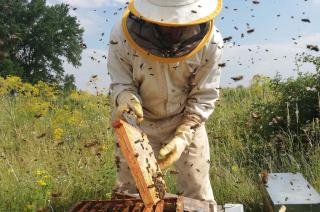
(279, 34)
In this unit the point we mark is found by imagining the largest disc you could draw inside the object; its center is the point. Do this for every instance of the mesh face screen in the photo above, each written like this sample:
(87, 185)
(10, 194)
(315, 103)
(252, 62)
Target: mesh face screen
(167, 42)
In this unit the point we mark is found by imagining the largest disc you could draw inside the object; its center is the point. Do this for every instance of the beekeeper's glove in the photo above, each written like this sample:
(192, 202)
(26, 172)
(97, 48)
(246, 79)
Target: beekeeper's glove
(126, 102)
(183, 137)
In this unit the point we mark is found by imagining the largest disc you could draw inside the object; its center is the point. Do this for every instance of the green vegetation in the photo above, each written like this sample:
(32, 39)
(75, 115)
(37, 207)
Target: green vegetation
(54, 150)
(57, 149)
(36, 38)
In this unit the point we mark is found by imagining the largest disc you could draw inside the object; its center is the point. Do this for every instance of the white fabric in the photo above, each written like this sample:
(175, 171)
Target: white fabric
(193, 179)
(176, 11)
(166, 94)
(166, 90)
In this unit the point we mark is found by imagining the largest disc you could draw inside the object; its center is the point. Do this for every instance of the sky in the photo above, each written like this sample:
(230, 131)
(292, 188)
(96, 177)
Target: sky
(279, 35)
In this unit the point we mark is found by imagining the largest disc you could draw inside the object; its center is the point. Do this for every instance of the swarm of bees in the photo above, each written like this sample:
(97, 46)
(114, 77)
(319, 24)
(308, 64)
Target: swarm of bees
(227, 39)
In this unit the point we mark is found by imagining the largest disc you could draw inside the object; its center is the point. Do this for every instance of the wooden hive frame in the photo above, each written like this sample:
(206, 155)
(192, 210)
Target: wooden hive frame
(143, 165)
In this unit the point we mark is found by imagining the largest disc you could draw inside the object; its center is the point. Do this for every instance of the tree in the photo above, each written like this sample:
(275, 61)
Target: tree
(35, 38)
(69, 83)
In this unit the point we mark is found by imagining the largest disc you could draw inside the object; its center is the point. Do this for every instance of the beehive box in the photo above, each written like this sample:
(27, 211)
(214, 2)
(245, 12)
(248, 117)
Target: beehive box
(290, 191)
(130, 202)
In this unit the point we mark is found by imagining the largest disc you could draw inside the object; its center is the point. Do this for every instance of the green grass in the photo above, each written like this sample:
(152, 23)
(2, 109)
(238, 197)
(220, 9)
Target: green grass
(56, 151)
(239, 154)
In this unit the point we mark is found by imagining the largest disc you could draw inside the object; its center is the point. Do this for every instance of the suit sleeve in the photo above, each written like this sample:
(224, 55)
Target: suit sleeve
(119, 65)
(205, 84)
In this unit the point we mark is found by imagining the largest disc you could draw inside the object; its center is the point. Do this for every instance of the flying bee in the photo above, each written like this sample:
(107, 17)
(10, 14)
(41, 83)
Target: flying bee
(250, 31)
(237, 78)
(113, 42)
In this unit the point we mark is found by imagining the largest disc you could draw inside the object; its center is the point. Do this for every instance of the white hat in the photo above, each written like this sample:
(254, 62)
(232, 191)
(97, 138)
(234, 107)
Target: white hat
(176, 12)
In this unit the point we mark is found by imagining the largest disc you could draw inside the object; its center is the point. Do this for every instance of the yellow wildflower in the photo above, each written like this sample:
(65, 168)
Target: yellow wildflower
(29, 207)
(234, 168)
(58, 133)
(14, 83)
(41, 183)
(46, 176)
(105, 147)
(46, 90)
(39, 172)
(37, 106)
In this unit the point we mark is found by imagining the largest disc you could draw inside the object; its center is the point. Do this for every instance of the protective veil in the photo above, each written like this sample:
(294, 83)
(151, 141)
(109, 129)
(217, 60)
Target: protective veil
(152, 38)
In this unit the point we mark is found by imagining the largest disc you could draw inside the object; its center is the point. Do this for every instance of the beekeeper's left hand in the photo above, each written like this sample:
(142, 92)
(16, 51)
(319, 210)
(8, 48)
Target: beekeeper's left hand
(183, 138)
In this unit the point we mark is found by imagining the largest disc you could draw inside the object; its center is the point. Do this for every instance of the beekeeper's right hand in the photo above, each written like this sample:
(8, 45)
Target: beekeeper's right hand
(126, 102)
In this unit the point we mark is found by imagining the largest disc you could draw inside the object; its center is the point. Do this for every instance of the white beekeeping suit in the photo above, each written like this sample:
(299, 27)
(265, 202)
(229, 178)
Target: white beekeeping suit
(163, 62)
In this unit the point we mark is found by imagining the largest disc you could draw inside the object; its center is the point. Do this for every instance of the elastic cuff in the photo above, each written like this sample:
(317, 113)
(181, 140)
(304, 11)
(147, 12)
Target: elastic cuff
(192, 118)
(122, 92)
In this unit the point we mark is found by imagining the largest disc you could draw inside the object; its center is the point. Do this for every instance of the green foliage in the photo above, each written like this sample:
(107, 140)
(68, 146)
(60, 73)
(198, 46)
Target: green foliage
(35, 37)
(294, 104)
(241, 149)
(312, 59)
(57, 149)
(8, 68)
(54, 150)
(69, 84)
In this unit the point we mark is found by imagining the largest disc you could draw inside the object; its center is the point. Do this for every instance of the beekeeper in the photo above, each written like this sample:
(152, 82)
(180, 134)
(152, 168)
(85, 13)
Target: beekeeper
(163, 62)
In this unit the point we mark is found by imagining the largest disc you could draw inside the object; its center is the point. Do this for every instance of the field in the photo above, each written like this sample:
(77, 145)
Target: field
(57, 149)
